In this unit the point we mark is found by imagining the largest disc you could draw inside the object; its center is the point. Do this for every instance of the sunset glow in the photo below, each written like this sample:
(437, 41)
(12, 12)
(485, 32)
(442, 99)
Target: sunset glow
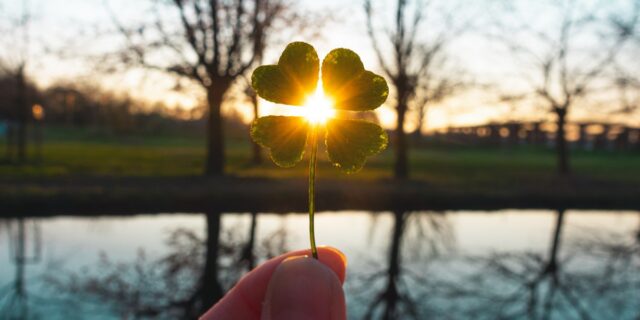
(318, 108)
(472, 159)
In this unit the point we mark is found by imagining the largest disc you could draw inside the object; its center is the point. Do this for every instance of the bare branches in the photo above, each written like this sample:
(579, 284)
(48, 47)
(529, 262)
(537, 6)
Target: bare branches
(374, 38)
(440, 83)
(572, 57)
(215, 33)
(235, 38)
(628, 94)
(220, 40)
(190, 29)
(411, 57)
(15, 34)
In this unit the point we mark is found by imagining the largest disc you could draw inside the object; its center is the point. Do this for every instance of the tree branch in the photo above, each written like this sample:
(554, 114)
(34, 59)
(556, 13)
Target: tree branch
(374, 40)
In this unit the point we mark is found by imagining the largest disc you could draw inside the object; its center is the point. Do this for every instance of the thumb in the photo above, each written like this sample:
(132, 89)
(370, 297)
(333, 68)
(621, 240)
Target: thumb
(304, 288)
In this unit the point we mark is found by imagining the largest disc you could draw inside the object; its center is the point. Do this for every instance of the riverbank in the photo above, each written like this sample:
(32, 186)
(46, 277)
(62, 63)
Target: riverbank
(107, 195)
(86, 172)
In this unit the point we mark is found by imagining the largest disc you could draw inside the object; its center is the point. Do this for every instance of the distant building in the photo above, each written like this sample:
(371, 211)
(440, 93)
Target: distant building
(582, 135)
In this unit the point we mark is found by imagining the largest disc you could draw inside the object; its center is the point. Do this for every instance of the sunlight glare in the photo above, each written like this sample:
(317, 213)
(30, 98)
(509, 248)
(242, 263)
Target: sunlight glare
(318, 108)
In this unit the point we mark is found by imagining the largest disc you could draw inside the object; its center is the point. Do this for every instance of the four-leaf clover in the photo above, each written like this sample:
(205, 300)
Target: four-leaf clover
(349, 86)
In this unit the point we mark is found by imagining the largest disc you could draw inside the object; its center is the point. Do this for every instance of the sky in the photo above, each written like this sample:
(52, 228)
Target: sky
(69, 26)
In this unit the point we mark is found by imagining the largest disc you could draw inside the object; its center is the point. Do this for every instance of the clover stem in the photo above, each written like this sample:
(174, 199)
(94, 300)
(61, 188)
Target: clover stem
(312, 182)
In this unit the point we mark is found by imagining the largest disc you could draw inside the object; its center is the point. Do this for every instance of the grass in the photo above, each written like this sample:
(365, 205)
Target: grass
(76, 152)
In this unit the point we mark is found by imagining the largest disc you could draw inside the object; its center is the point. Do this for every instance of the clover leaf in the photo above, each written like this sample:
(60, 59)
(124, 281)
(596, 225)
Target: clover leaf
(350, 88)
(350, 142)
(286, 137)
(349, 84)
(292, 79)
(345, 81)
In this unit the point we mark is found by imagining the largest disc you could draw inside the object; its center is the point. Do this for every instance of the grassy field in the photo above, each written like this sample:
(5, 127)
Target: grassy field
(74, 152)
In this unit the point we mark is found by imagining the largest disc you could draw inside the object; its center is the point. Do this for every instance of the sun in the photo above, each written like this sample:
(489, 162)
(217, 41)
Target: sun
(318, 108)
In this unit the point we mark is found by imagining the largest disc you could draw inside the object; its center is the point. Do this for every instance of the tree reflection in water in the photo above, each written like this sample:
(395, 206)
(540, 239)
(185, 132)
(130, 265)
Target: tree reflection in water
(611, 287)
(589, 274)
(430, 234)
(25, 247)
(594, 277)
(166, 287)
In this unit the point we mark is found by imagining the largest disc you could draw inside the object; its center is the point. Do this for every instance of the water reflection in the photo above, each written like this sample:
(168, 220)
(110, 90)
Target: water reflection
(14, 297)
(182, 284)
(429, 235)
(390, 299)
(403, 265)
(528, 287)
(210, 289)
(567, 282)
(247, 256)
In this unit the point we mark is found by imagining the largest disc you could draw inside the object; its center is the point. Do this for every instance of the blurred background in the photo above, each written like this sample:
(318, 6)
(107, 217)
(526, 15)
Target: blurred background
(130, 188)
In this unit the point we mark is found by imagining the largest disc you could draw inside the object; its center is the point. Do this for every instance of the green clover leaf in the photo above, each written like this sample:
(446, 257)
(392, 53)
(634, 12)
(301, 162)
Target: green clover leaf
(350, 142)
(286, 137)
(352, 87)
(345, 81)
(292, 79)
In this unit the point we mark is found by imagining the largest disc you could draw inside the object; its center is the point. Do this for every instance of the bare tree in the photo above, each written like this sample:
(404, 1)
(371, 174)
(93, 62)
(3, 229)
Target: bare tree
(570, 58)
(627, 79)
(407, 52)
(13, 64)
(439, 81)
(217, 42)
(628, 94)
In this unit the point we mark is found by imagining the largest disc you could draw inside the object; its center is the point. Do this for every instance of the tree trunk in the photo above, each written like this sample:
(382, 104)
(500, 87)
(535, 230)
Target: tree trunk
(214, 165)
(393, 272)
(638, 233)
(23, 116)
(417, 133)
(21, 307)
(561, 142)
(256, 150)
(248, 251)
(39, 137)
(389, 298)
(552, 265)
(210, 287)
(10, 141)
(401, 166)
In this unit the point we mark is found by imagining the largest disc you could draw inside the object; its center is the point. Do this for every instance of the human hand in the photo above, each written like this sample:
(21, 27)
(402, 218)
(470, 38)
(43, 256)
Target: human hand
(291, 286)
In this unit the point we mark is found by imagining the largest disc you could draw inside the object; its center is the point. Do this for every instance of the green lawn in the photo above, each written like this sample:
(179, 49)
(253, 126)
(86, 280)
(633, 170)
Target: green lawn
(85, 152)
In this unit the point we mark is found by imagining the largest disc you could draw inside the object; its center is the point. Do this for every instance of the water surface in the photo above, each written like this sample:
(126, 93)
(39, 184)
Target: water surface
(515, 264)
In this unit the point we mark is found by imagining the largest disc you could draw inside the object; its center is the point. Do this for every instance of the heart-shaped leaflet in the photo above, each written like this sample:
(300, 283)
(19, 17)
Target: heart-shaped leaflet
(349, 85)
(285, 137)
(293, 79)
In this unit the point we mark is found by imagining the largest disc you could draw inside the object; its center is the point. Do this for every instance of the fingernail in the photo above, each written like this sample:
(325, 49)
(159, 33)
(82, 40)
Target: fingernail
(294, 258)
(303, 288)
(340, 253)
